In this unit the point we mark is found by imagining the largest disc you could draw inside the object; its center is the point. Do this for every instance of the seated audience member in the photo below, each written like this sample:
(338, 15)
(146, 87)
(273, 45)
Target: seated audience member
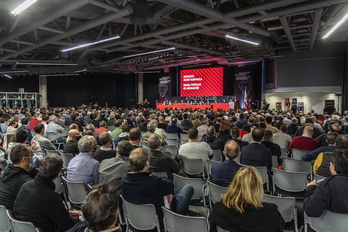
(334, 127)
(225, 132)
(267, 141)
(151, 128)
(222, 173)
(194, 149)
(255, 154)
(304, 142)
(282, 138)
(268, 120)
(250, 123)
(105, 151)
(210, 138)
(37, 202)
(111, 170)
(331, 194)
(185, 123)
(15, 175)
(83, 168)
(37, 119)
(55, 129)
(124, 136)
(99, 211)
(152, 188)
(75, 119)
(44, 142)
(117, 131)
(135, 137)
(292, 128)
(309, 122)
(24, 126)
(173, 128)
(279, 123)
(321, 165)
(202, 129)
(161, 162)
(102, 128)
(242, 209)
(112, 119)
(331, 140)
(239, 125)
(95, 120)
(247, 137)
(161, 123)
(71, 146)
(235, 134)
(196, 122)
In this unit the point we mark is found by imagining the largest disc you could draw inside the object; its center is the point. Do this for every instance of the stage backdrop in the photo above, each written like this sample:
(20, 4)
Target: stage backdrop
(244, 86)
(165, 87)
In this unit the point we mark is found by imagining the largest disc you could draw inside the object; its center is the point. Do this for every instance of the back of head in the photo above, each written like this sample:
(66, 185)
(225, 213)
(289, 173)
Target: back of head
(340, 161)
(232, 149)
(18, 152)
(211, 131)
(192, 133)
(124, 148)
(24, 121)
(104, 138)
(308, 130)
(246, 189)
(268, 135)
(309, 120)
(126, 128)
(239, 124)
(134, 134)
(268, 119)
(284, 129)
(99, 207)
(257, 134)
(138, 159)
(51, 166)
(118, 122)
(73, 116)
(294, 121)
(102, 124)
(205, 120)
(154, 141)
(331, 137)
(52, 117)
(74, 133)
(21, 135)
(90, 127)
(235, 132)
(86, 143)
(38, 128)
(335, 127)
(225, 127)
(151, 126)
(342, 141)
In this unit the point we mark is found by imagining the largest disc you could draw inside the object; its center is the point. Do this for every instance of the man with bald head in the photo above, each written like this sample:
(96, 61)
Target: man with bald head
(71, 145)
(305, 142)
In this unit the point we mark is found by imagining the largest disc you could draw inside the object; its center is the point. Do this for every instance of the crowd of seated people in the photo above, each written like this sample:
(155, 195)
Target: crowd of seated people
(120, 147)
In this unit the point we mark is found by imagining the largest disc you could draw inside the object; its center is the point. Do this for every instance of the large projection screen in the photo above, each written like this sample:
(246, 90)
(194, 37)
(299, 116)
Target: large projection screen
(201, 82)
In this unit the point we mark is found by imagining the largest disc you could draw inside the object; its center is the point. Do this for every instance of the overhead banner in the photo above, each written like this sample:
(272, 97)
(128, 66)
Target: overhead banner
(244, 86)
(165, 88)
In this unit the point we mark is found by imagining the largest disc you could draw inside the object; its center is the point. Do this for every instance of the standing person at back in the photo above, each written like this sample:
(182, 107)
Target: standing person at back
(255, 154)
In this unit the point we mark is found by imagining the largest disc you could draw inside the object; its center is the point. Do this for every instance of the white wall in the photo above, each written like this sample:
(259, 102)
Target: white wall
(315, 101)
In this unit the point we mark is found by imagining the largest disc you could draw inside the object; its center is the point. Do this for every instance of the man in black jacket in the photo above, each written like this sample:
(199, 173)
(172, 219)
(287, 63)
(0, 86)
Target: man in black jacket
(331, 194)
(15, 175)
(38, 203)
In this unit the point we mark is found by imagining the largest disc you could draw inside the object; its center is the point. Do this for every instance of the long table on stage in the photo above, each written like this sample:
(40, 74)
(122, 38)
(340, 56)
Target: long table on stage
(213, 106)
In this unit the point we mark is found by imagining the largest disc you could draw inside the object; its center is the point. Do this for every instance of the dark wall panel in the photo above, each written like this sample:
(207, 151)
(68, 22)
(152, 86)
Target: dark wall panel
(151, 87)
(30, 83)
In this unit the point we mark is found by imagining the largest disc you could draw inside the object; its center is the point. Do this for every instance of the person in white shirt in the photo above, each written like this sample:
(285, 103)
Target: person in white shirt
(282, 138)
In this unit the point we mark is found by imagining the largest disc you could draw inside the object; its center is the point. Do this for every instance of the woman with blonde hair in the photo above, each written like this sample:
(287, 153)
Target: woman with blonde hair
(242, 209)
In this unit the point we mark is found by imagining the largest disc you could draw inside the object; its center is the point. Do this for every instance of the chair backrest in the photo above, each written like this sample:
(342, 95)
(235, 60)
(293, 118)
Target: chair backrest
(264, 175)
(329, 221)
(59, 185)
(192, 166)
(66, 157)
(171, 149)
(296, 153)
(21, 226)
(171, 142)
(294, 165)
(197, 184)
(219, 229)
(215, 192)
(3, 164)
(5, 222)
(318, 177)
(286, 206)
(284, 152)
(140, 216)
(76, 191)
(290, 181)
(161, 174)
(52, 136)
(274, 161)
(217, 156)
(172, 136)
(52, 152)
(174, 222)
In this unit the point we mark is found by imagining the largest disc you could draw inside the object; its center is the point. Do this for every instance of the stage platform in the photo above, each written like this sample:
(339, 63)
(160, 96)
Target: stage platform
(213, 106)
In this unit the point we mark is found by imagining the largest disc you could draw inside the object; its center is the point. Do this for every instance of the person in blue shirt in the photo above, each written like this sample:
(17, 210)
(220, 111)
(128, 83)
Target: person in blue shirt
(331, 140)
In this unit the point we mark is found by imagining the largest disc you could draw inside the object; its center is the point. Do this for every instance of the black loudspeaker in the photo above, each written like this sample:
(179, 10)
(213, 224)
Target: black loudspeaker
(329, 106)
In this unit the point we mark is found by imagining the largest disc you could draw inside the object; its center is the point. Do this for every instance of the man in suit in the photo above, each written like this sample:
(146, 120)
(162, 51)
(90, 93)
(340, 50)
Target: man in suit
(223, 173)
(255, 154)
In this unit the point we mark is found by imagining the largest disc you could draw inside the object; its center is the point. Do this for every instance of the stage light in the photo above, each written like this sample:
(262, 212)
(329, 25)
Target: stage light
(89, 44)
(8, 76)
(36, 63)
(336, 26)
(146, 53)
(23, 6)
(242, 40)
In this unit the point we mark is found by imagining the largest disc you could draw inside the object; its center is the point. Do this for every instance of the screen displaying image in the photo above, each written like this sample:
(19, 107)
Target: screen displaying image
(201, 82)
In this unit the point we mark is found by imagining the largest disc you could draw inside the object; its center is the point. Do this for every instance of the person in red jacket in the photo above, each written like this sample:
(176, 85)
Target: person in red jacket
(35, 121)
(304, 142)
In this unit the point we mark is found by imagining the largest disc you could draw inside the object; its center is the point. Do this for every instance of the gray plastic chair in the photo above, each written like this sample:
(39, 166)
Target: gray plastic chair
(217, 156)
(171, 142)
(172, 136)
(76, 191)
(161, 174)
(318, 177)
(175, 222)
(21, 226)
(171, 149)
(219, 229)
(66, 157)
(140, 216)
(294, 165)
(274, 161)
(284, 152)
(215, 192)
(197, 184)
(264, 175)
(193, 167)
(296, 153)
(289, 183)
(5, 222)
(328, 221)
(286, 207)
